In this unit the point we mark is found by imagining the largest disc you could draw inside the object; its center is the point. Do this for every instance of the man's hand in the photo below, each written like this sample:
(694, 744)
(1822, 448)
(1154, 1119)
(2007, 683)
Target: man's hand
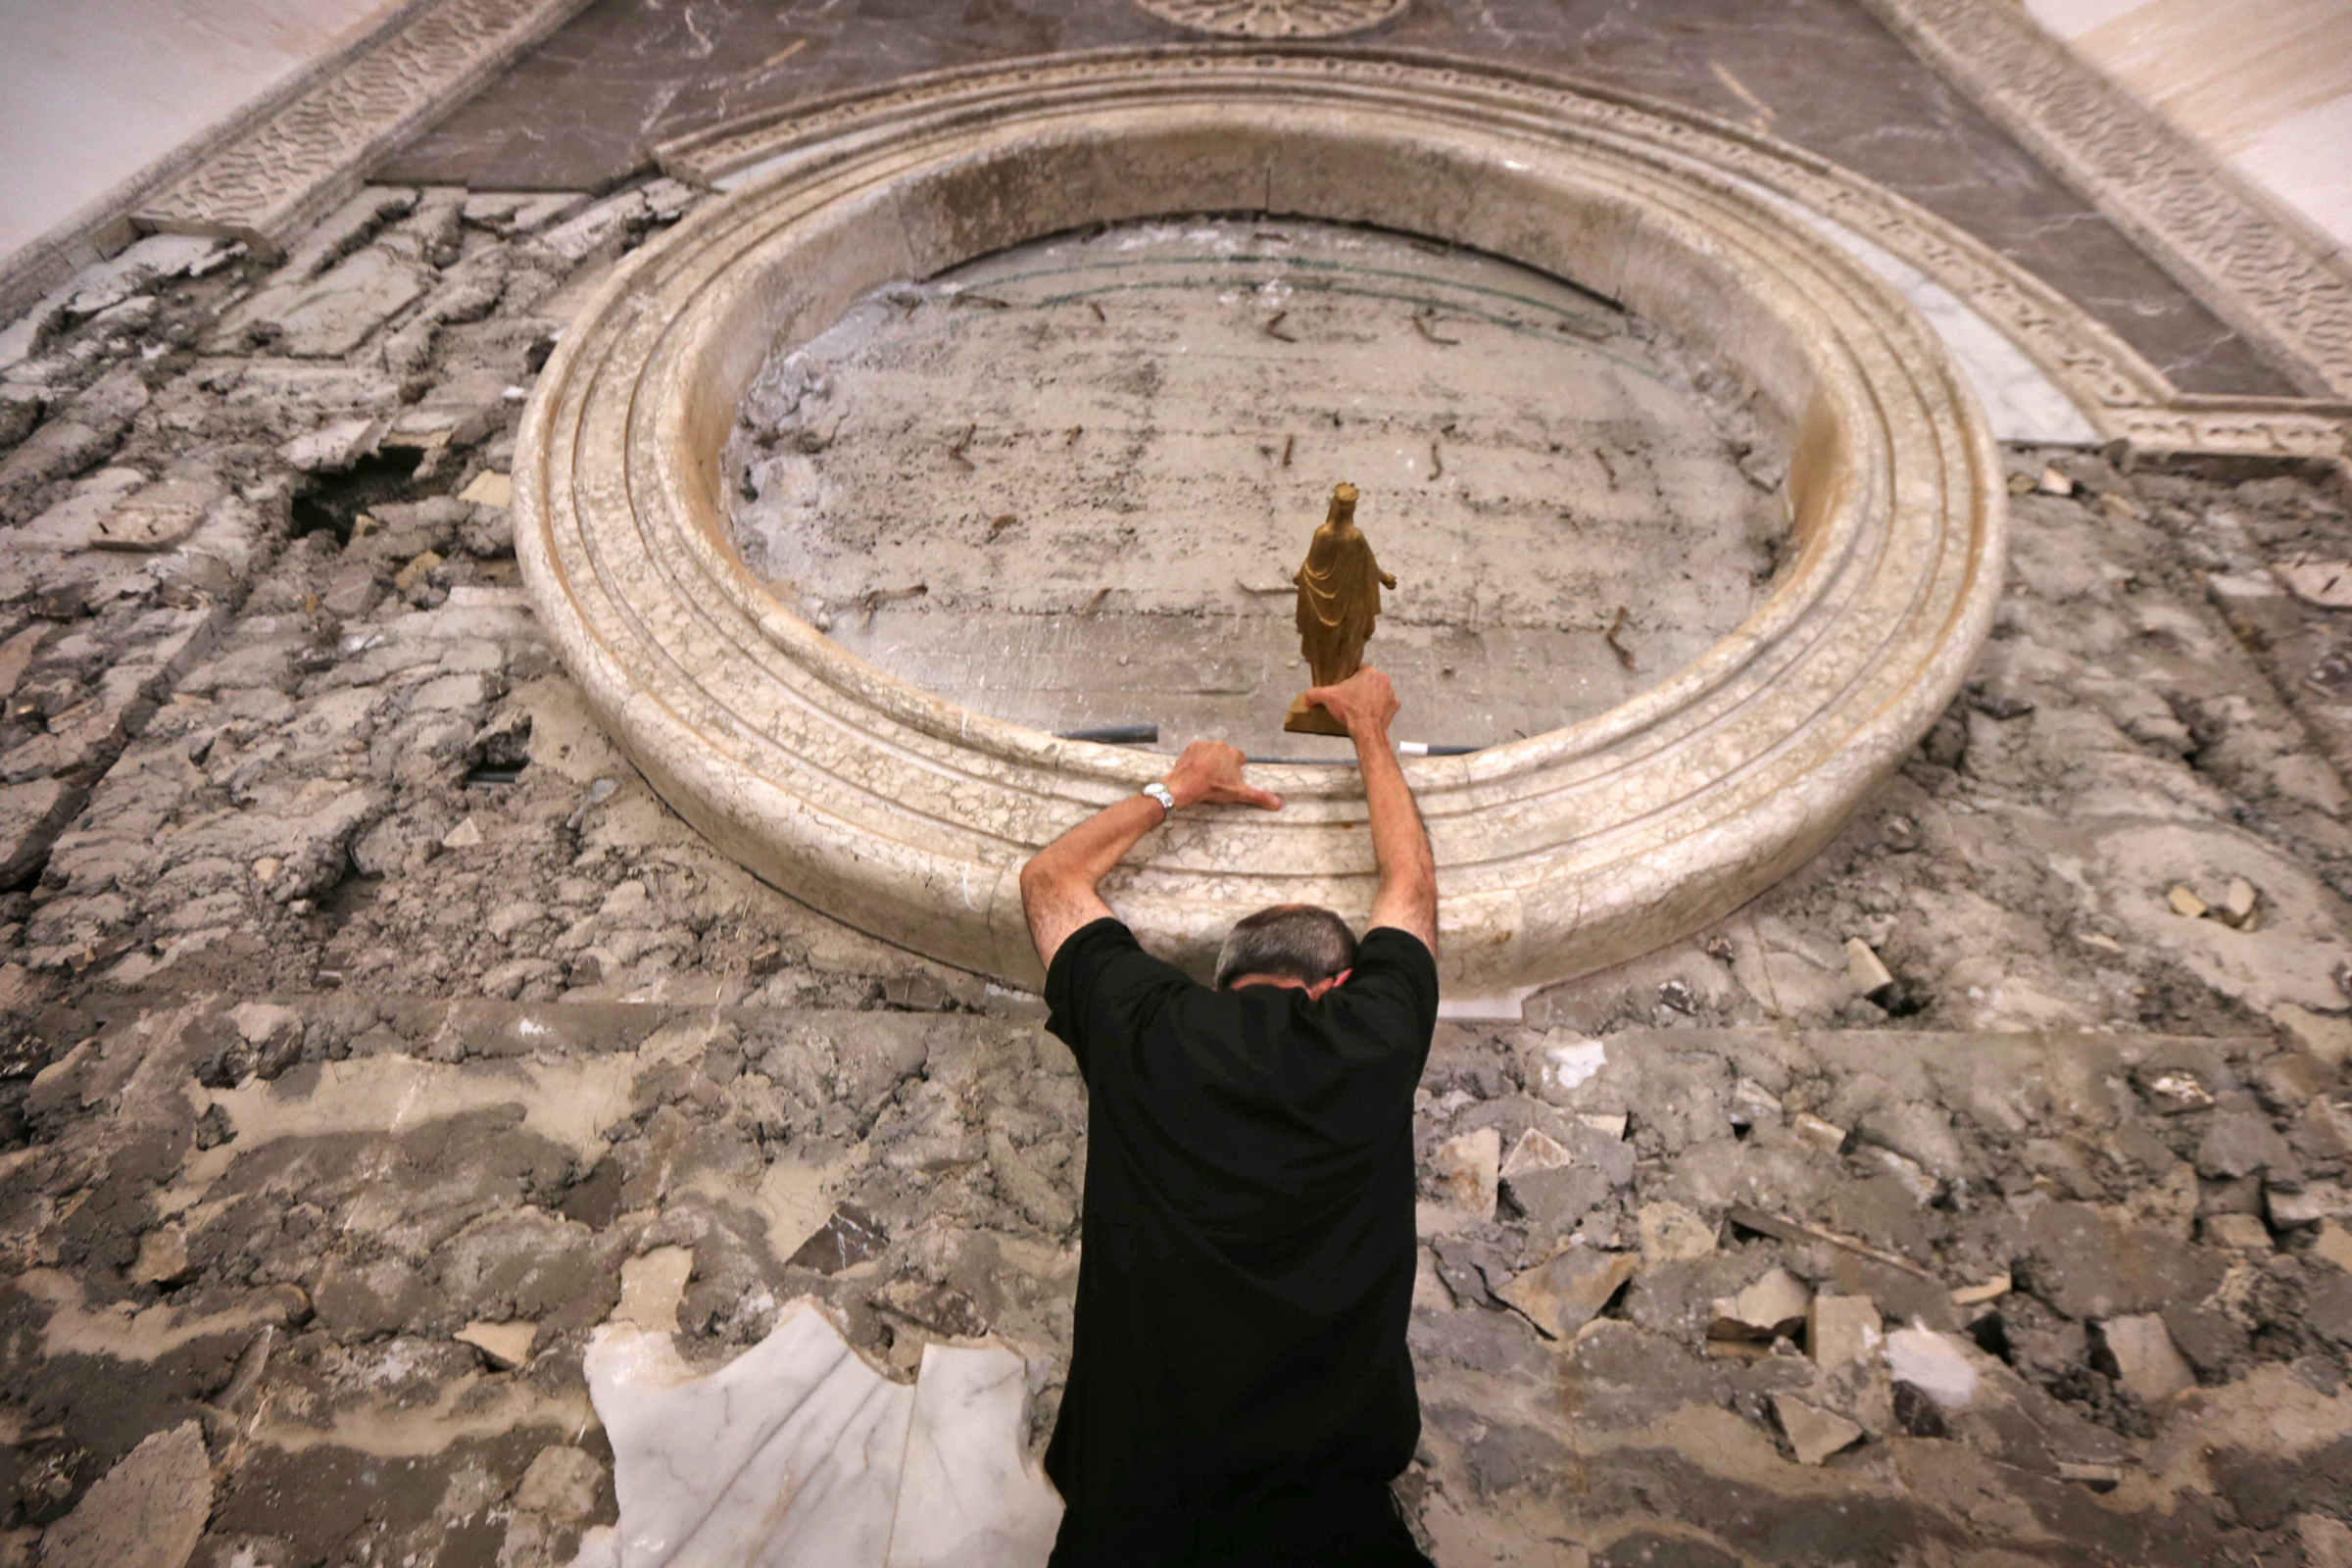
(1364, 701)
(1211, 772)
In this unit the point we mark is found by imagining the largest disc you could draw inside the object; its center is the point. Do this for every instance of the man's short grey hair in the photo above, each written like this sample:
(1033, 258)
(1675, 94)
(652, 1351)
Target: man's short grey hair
(1298, 942)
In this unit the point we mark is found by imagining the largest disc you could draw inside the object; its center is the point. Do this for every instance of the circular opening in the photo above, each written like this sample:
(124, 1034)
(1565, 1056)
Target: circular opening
(1065, 484)
(908, 814)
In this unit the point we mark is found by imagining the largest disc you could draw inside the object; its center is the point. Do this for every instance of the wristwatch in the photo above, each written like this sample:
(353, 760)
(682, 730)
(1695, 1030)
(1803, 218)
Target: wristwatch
(1167, 801)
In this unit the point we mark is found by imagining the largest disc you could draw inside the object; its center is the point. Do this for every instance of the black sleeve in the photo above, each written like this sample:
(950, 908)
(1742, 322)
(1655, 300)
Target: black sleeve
(1101, 982)
(1395, 969)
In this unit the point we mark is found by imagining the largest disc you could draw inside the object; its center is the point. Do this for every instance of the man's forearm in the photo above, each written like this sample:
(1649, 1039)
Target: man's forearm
(1408, 872)
(1085, 855)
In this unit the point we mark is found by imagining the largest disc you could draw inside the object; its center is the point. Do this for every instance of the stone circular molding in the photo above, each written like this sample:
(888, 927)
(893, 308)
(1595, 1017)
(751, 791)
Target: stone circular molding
(908, 816)
(1274, 19)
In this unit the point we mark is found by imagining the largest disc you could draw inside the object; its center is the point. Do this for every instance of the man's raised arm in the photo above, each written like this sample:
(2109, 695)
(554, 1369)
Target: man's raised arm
(1057, 885)
(1407, 898)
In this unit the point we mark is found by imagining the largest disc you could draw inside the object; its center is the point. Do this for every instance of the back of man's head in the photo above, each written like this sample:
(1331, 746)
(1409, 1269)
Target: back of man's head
(1298, 942)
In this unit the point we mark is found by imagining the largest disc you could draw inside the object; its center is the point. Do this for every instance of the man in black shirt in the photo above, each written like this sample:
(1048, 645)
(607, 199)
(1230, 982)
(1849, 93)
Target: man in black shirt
(1239, 1390)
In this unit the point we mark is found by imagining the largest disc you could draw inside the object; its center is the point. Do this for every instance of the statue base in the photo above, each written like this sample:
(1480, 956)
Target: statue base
(1311, 718)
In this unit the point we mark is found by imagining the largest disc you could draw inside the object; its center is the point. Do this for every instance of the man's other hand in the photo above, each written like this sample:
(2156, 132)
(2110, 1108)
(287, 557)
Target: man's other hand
(1363, 700)
(1211, 770)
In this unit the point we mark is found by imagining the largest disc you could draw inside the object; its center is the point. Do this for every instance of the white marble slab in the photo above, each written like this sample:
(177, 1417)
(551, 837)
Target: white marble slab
(970, 1498)
(787, 1457)
(2021, 403)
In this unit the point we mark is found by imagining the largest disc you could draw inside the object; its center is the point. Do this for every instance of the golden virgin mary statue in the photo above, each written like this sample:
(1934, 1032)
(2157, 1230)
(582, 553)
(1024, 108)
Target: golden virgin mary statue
(1338, 599)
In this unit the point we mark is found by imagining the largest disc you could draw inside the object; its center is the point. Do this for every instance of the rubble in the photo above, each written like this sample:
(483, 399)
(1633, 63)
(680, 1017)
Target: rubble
(2147, 1365)
(1774, 1307)
(1813, 1433)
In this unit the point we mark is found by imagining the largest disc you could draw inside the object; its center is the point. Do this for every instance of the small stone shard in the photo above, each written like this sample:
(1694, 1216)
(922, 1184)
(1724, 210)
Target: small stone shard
(2327, 583)
(1993, 1290)
(1468, 1170)
(2238, 903)
(2185, 902)
(407, 577)
(1773, 1306)
(2053, 483)
(1827, 1137)
(507, 1345)
(2173, 1092)
(1535, 1151)
(1672, 1234)
(2333, 1244)
(1839, 1329)
(1568, 1290)
(1813, 1433)
(1933, 1364)
(2312, 1202)
(147, 1512)
(489, 488)
(849, 1238)
(650, 1287)
(2240, 1233)
(2148, 1363)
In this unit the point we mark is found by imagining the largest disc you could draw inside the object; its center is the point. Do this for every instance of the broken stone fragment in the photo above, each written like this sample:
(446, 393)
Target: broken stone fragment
(2240, 1143)
(2148, 1363)
(147, 1512)
(2185, 904)
(1813, 1433)
(1568, 1290)
(331, 448)
(1827, 1137)
(2053, 483)
(489, 488)
(1773, 1308)
(1672, 1234)
(2238, 903)
(1839, 1329)
(651, 1286)
(2327, 583)
(1535, 1151)
(2332, 1244)
(155, 518)
(1468, 1170)
(2176, 1090)
(507, 1345)
(1924, 1188)
(1992, 1290)
(2308, 1205)
(1933, 1364)
(162, 1257)
(408, 576)
(2240, 1233)
(1753, 1105)
(849, 1238)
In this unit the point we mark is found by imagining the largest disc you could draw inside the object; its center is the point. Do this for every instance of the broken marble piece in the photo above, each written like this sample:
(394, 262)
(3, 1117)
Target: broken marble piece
(507, 1345)
(2149, 1366)
(1468, 1170)
(2308, 1205)
(792, 1452)
(1824, 1136)
(2332, 1243)
(1771, 1307)
(1839, 1329)
(1813, 1433)
(1672, 1234)
(1568, 1290)
(849, 1238)
(969, 1498)
(1933, 1364)
(147, 1512)
(1535, 1151)
(651, 1288)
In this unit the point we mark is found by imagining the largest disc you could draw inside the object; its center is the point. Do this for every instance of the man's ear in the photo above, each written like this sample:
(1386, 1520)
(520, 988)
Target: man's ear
(1315, 992)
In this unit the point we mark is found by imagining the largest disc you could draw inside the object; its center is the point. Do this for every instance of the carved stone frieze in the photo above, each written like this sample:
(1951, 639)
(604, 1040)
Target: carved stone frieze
(1274, 19)
(286, 169)
(2262, 273)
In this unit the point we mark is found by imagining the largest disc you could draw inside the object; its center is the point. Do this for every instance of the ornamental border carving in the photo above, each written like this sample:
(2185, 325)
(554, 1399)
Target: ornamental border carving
(2123, 396)
(2259, 269)
(285, 170)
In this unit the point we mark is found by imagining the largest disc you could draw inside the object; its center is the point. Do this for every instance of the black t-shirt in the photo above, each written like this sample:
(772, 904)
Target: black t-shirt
(1247, 1270)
